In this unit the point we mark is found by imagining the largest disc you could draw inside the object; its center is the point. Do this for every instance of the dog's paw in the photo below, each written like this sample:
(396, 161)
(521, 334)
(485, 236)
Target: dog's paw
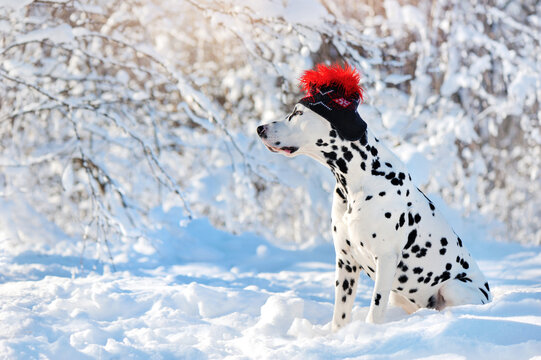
(373, 317)
(335, 327)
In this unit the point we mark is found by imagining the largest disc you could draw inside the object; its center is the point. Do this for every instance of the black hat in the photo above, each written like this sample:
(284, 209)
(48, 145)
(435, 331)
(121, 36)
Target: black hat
(334, 93)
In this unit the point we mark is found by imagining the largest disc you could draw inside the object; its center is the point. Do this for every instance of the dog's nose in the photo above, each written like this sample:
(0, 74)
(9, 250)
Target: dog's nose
(261, 130)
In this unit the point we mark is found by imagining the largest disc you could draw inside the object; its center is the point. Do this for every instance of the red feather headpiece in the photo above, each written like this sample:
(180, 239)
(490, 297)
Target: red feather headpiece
(346, 79)
(334, 93)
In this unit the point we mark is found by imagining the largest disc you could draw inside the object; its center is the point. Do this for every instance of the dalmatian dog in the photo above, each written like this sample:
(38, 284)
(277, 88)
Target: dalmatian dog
(381, 223)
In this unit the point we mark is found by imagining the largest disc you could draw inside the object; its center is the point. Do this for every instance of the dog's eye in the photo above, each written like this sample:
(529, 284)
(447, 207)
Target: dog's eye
(298, 112)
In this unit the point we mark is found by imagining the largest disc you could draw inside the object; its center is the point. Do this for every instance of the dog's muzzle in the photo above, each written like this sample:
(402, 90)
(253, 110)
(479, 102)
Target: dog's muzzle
(262, 132)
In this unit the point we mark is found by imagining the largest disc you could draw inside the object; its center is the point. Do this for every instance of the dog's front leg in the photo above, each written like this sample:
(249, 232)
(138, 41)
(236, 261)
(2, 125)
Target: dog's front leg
(346, 278)
(385, 274)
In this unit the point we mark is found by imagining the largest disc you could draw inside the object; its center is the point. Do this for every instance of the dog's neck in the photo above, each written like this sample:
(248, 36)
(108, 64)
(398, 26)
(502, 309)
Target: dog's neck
(360, 166)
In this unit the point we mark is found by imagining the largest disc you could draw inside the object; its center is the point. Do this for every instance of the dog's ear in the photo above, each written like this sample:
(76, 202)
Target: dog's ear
(351, 128)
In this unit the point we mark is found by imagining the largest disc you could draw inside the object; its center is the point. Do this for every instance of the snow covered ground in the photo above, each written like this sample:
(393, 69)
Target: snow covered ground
(197, 293)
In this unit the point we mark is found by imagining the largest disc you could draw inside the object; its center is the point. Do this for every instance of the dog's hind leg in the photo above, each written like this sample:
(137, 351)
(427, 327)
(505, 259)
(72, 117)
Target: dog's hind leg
(456, 292)
(399, 300)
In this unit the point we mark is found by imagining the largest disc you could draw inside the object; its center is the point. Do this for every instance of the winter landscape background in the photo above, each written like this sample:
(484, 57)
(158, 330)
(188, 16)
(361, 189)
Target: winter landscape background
(142, 218)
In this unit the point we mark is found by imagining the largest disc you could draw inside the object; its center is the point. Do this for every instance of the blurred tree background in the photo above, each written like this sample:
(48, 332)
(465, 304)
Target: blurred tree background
(110, 109)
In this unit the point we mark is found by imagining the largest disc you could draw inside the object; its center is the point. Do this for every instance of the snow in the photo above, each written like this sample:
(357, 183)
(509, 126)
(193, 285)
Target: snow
(195, 292)
(58, 34)
(14, 4)
(396, 79)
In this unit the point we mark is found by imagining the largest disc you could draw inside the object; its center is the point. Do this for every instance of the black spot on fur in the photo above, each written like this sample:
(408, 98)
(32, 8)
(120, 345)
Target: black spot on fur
(443, 242)
(361, 152)
(459, 242)
(404, 268)
(486, 285)
(401, 220)
(342, 165)
(369, 268)
(417, 270)
(448, 266)
(411, 239)
(446, 275)
(412, 291)
(363, 166)
(421, 253)
(374, 235)
(463, 277)
(411, 221)
(428, 244)
(443, 251)
(332, 133)
(382, 193)
(343, 315)
(377, 299)
(484, 293)
(465, 265)
(377, 173)
(388, 215)
(431, 302)
(415, 248)
(368, 197)
(403, 279)
(344, 298)
(417, 218)
(420, 280)
(345, 285)
(331, 155)
(363, 140)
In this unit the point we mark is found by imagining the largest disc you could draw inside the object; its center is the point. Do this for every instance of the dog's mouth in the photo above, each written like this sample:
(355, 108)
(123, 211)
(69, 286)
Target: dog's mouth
(286, 149)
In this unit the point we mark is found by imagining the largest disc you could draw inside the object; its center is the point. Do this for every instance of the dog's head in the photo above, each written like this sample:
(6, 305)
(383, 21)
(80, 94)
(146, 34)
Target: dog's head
(297, 134)
(329, 110)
